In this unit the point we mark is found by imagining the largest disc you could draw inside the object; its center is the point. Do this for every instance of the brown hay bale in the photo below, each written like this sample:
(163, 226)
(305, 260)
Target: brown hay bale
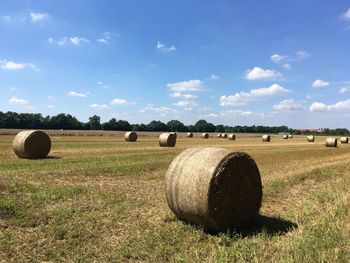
(290, 136)
(190, 135)
(310, 138)
(31, 144)
(331, 142)
(167, 140)
(224, 135)
(219, 135)
(214, 187)
(344, 140)
(130, 136)
(231, 137)
(175, 134)
(266, 138)
(285, 136)
(205, 135)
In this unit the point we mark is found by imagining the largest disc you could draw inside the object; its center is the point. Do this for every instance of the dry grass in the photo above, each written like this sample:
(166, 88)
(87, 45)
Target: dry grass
(102, 199)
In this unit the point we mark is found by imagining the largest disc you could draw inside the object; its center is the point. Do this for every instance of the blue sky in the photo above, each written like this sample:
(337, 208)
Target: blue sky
(229, 62)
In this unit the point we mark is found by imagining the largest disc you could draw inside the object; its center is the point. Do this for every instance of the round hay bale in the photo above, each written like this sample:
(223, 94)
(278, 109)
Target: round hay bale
(167, 140)
(224, 135)
(219, 135)
(205, 135)
(214, 187)
(190, 135)
(290, 136)
(331, 142)
(285, 136)
(175, 134)
(310, 138)
(344, 140)
(266, 138)
(31, 144)
(232, 137)
(130, 136)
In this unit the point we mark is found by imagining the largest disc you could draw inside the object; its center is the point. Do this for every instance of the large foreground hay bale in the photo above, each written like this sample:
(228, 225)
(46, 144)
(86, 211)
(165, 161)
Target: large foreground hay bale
(205, 135)
(189, 134)
(175, 134)
(232, 137)
(167, 140)
(285, 136)
(32, 144)
(344, 140)
(130, 136)
(310, 138)
(214, 187)
(266, 138)
(331, 142)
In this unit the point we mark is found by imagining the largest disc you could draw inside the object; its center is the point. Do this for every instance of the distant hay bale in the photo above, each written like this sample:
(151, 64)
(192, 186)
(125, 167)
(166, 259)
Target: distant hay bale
(310, 138)
(189, 134)
(266, 138)
(331, 142)
(290, 136)
(219, 135)
(224, 135)
(167, 140)
(231, 137)
(205, 135)
(285, 136)
(31, 144)
(344, 140)
(130, 136)
(216, 188)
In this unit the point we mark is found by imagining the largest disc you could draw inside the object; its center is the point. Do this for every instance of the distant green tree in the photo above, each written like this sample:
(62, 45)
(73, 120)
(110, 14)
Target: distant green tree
(95, 122)
(175, 125)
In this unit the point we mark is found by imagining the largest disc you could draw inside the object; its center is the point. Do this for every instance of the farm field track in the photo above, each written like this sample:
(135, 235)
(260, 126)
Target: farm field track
(101, 199)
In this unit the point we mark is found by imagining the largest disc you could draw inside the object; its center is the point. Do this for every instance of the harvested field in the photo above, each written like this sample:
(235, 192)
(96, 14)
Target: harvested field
(99, 198)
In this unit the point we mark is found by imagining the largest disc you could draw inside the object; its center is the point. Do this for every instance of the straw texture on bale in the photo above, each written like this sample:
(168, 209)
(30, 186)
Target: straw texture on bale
(266, 138)
(344, 140)
(32, 144)
(219, 135)
(223, 135)
(290, 136)
(285, 136)
(167, 140)
(232, 137)
(216, 188)
(190, 135)
(130, 136)
(205, 135)
(175, 134)
(331, 142)
(310, 138)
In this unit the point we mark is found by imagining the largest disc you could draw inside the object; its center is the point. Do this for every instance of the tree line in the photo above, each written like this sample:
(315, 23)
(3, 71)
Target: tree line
(13, 120)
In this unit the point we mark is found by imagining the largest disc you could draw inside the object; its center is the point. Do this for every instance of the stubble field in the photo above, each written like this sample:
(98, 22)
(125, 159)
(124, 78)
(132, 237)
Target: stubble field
(99, 198)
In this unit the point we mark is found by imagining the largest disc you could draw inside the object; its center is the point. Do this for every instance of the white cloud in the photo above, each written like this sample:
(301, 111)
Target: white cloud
(241, 98)
(259, 73)
(346, 15)
(319, 84)
(288, 105)
(186, 103)
(78, 94)
(99, 106)
(214, 77)
(11, 65)
(344, 90)
(160, 110)
(284, 60)
(301, 55)
(6, 18)
(102, 40)
(119, 101)
(208, 116)
(190, 85)
(278, 58)
(78, 40)
(18, 101)
(287, 66)
(38, 17)
(163, 48)
(341, 105)
(241, 113)
(106, 37)
(182, 96)
(63, 41)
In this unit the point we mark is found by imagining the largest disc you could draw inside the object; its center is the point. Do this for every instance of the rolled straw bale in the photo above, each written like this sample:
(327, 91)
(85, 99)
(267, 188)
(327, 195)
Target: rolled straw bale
(205, 135)
(232, 137)
(223, 135)
(285, 136)
(344, 140)
(266, 138)
(290, 136)
(130, 136)
(167, 140)
(214, 187)
(219, 135)
(310, 138)
(31, 144)
(190, 135)
(175, 134)
(331, 142)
